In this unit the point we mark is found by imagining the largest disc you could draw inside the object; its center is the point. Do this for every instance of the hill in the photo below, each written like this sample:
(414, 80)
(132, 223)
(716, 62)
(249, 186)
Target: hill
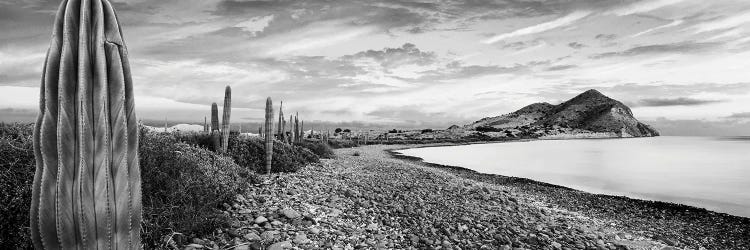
(590, 114)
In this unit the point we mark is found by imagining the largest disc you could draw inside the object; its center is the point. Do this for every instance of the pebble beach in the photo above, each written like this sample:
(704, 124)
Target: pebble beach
(371, 198)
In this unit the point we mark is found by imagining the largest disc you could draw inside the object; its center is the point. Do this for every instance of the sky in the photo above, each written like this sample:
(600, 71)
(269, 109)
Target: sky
(681, 65)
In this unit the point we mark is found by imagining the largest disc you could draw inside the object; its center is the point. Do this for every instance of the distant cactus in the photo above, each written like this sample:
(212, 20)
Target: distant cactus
(225, 119)
(205, 125)
(296, 128)
(302, 131)
(269, 134)
(290, 140)
(214, 117)
(280, 126)
(86, 192)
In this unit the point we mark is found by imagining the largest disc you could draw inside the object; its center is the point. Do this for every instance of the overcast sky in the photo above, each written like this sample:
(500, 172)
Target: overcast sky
(411, 63)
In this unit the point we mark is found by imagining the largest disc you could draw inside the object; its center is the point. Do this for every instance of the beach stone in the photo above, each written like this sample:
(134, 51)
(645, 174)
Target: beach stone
(280, 245)
(260, 220)
(252, 237)
(301, 239)
(276, 223)
(269, 235)
(290, 213)
(556, 245)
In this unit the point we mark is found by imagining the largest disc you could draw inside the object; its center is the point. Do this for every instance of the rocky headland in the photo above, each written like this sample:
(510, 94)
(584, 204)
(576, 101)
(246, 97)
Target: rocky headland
(591, 114)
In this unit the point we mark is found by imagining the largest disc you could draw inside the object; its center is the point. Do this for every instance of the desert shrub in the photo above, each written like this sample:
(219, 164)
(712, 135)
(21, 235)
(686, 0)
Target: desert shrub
(342, 143)
(200, 139)
(356, 153)
(17, 168)
(250, 153)
(184, 186)
(321, 149)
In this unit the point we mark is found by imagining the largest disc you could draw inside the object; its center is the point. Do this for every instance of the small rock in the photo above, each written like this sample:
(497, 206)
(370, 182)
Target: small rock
(290, 213)
(314, 230)
(556, 245)
(372, 227)
(301, 239)
(242, 247)
(252, 237)
(199, 241)
(276, 223)
(260, 220)
(280, 245)
(269, 235)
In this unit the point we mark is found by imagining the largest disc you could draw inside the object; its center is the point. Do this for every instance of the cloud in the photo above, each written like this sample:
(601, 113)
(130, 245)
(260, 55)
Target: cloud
(729, 22)
(669, 25)
(679, 101)
(542, 27)
(699, 127)
(605, 37)
(743, 115)
(318, 38)
(642, 7)
(394, 57)
(576, 45)
(561, 67)
(255, 25)
(670, 48)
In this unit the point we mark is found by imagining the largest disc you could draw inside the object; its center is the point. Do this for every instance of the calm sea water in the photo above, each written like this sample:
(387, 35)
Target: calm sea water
(713, 173)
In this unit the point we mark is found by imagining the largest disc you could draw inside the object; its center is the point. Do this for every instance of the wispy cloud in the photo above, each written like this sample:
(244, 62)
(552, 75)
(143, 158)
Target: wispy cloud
(669, 25)
(542, 27)
(679, 101)
(679, 48)
(642, 7)
(728, 22)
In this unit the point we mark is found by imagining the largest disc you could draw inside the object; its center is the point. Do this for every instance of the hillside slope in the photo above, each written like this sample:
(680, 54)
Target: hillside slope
(589, 112)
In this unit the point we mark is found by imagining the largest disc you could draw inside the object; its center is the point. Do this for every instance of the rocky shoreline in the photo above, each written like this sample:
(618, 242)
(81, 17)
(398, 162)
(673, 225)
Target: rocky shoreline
(672, 224)
(368, 199)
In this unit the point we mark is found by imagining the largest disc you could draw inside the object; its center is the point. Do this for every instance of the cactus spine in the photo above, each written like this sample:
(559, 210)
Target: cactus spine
(87, 187)
(225, 119)
(269, 134)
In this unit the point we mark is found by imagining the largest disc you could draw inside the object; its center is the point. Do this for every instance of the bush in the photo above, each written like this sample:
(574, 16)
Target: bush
(184, 186)
(17, 167)
(250, 153)
(320, 149)
(342, 143)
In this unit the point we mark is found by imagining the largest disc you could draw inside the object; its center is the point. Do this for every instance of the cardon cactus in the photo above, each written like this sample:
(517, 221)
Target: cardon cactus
(225, 118)
(296, 128)
(280, 125)
(215, 132)
(87, 185)
(269, 134)
(291, 129)
(214, 117)
(205, 125)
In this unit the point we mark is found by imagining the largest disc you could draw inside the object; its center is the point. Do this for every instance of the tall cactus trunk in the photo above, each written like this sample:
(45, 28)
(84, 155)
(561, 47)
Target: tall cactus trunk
(87, 186)
(279, 126)
(225, 119)
(205, 125)
(269, 134)
(302, 131)
(290, 140)
(296, 128)
(214, 117)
